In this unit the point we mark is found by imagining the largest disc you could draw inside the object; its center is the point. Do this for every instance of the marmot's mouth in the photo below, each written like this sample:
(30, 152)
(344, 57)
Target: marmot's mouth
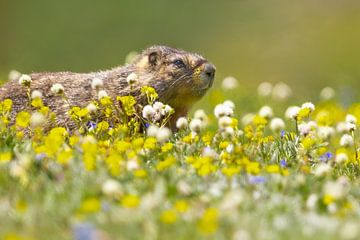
(207, 75)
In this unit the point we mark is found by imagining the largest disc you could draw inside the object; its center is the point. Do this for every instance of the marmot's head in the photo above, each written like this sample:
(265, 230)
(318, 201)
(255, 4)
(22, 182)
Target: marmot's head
(179, 77)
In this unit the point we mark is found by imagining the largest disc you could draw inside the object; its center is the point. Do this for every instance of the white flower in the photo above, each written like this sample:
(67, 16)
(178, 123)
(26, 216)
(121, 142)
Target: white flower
(132, 165)
(304, 129)
(228, 132)
(266, 112)
(223, 110)
(341, 157)
(292, 112)
(277, 124)
(229, 83)
(322, 169)
(200, 114)
(225, 121)
(167, 110)
(91, 107)
(148, 112)
(350, 119)
(335, 189)
(346, 140)
(163, 134)
(229, 104)
(181, 123)
(102, 93)
(312, 201)
(247, 119)
(25, 80)
(132, 78)
(96, 83)
(36, 94)
(325, 132)
(350, 127)
(309, 106)
(57, 88)
(152, 130)
(111, 188)
(327, 93)
(265, 89)
(209, 152)
(196, 125)
(158, 106)
(14, 75)
(342, 127)
(37, 119)
(281, 91)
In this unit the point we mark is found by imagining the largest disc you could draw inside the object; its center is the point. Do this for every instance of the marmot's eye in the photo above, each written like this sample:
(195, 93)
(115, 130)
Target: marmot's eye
(179, 63)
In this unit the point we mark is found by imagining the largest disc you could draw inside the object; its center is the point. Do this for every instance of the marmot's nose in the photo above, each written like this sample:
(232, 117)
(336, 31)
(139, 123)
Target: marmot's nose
(209, 70)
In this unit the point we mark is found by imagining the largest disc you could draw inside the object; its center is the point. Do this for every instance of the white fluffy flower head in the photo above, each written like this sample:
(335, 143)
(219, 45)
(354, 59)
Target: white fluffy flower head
(57, 88)
(96, 83)
(132, 78)
(25, 80)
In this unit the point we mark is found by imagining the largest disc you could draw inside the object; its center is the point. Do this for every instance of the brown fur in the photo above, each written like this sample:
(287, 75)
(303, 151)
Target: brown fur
(177, 86)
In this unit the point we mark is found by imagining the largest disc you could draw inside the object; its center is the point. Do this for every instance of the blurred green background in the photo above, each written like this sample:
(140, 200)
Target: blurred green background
(306, 44)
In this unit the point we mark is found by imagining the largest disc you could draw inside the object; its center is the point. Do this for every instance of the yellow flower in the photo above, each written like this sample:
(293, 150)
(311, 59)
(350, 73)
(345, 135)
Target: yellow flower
(5, 106)
(128, 103)
(90, 205)
(253, 168)
(208, 224)
(328, 199)
(65, 156)
(5, 157)
(167, 147)
(273, 168)
(181, 206)
(168, 216)
(130, 201)
(150, 93)
(231, 171)
(308, 142)
(168, 162)
(140, 173)
(150, 143)
(23, 119)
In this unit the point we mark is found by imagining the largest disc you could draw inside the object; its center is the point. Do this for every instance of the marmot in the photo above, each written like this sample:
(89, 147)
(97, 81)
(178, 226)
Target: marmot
(180, 78)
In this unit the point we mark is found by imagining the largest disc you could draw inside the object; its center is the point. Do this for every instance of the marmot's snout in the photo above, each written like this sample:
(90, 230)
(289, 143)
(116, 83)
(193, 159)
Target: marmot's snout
(208, 74)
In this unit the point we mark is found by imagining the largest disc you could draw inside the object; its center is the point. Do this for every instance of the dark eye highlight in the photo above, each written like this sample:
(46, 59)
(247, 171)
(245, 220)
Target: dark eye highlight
(179, 63)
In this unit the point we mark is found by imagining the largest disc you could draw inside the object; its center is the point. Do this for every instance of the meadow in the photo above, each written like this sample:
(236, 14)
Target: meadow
(279, 171)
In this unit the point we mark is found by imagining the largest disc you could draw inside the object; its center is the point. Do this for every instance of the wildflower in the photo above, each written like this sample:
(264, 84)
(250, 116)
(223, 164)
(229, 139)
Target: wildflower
(96, 83)
(152, 130)
(181, 206)
(112, 188)
(102, 94)
(281, 91)
(130, 201)
(209, 222)
(200, 114)
(350, 127)
(163, 134)
(350, 119)
(265, 89)
(229, 83)
(229, 104)
(168, 216)
(247, 119)
(283, 163)
(312, 201)
(225, 121)
(308, 105)
(132, 78)
(181, 123)
(14, 75)
(342, 127)
(277, 124)
(292, 112)
(327, 93)
(223, 110)
(256, 179)
(341, 157)
(91, 107)
(148, 112)
(196, 125)
(57, 88)
(322, 169)
(25, 80)
(36, 94)
(5, 157)
(266, 112)
(90, 205)
(23, 119)
(325, 132)
(304, 129)
(37, 119)
(346, 140)
(336, 189)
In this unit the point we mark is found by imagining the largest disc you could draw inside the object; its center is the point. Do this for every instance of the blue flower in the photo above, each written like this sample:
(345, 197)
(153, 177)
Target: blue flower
(256, 179)
(83, 231)
(326, 156)
(283, 163)
(282, 133)
(147, 125)
(91, 125)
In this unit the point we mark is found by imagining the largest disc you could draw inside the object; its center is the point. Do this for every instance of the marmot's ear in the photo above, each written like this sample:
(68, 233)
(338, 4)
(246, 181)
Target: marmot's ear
(154, 58)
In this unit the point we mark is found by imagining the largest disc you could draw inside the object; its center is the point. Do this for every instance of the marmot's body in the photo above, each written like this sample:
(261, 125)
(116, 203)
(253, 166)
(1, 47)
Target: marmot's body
(180, 78)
